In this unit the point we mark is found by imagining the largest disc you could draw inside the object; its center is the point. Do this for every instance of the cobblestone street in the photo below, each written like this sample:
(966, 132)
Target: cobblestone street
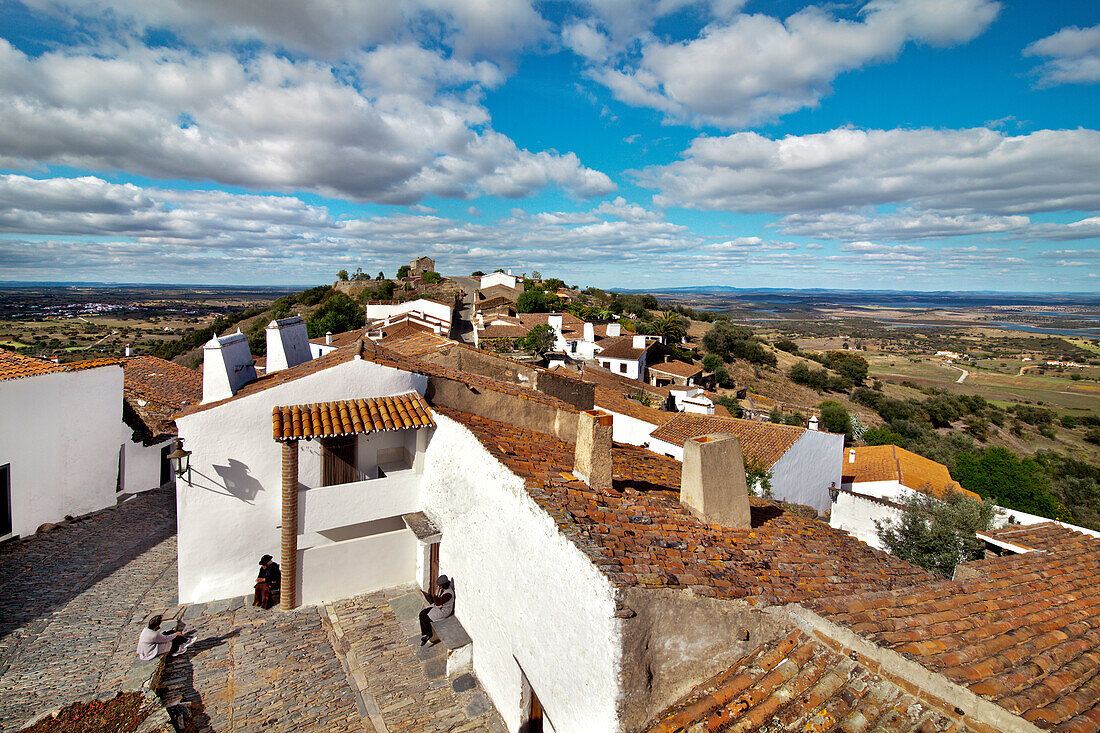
(73, 599)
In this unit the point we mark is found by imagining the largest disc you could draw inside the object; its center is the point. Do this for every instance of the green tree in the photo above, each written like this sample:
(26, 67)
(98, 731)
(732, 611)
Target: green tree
(337, 314)
(477, 273)
(403, 272)
(432, 277)
(787, 345)
(343, 275)
(671, 325)
(712, 362)
(540, 339)
(850, 365)
(835, 419)
(534, 301)
(1014, 483)
(937, 535)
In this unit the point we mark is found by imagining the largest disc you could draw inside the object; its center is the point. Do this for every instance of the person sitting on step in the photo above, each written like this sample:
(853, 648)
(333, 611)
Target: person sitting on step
(267, 583)
(443, 605)
(152, 643)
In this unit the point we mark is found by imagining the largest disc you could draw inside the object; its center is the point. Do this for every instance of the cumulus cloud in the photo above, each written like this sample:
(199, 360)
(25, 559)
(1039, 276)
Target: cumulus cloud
(272, 123)
(1072, 56)
(328, 29)
(756, 68)
(948, 172)
(906, 225)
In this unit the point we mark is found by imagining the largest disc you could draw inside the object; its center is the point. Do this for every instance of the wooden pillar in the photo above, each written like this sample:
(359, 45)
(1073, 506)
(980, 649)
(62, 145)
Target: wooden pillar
(289, 543)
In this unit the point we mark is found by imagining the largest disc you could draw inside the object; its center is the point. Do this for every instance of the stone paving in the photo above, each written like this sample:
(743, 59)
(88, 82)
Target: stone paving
(404, 686)
(73, 599)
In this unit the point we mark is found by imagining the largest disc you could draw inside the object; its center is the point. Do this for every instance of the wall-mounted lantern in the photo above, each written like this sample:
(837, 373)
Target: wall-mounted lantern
(180, 460)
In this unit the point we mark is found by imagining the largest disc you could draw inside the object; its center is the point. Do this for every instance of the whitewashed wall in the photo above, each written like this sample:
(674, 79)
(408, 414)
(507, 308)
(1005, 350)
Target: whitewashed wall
(856, 515)
(634, 367)
(229, 515)
(527, 596)
(422, 305)
(803, 474)
(892, 490)
(497, 278)
(141, 463)
(59, 432)
(342, 569)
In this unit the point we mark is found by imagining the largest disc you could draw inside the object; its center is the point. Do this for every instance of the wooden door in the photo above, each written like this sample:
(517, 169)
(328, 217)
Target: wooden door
(338, 461)
(5, 499)
(534, 718)
(433, 568)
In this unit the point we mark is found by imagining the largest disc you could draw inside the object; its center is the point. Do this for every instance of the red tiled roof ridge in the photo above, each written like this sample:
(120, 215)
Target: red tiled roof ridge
(14, 365)
(350, 417)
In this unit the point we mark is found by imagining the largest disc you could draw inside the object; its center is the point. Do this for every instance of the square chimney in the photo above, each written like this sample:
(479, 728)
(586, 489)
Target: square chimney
(712, 483)
(592, 463)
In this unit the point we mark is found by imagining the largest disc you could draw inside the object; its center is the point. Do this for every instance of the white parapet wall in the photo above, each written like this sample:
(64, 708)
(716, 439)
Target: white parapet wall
(59, 434)
(141, 463)
(230, 512)
(856, 514)
(525, 593)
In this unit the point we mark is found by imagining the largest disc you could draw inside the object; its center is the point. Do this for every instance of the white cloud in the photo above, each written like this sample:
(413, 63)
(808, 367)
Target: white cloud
(905, 225)
(328, 29)
(948, 173)
(757, 68)
(1073, 56)
(270, 123)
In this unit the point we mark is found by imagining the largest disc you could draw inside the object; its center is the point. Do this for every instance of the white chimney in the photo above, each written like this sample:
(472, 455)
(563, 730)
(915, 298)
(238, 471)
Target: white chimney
(227, 366)
(712, 481)
(813, 422)
(613, 330)
(639, 341)
(287, 344)
(589, 332)
(129, 350)
(328, 338)
(554, 321)
(851, 455)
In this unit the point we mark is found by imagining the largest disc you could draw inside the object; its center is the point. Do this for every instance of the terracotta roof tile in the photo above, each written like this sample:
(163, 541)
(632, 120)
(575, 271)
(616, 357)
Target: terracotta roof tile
(1043, 536)
(156, 389)
(17, 366)
(339, 340)
(622, 347)
(638, 533)
(350, 417)
(891, 463)
(1024, 633)
(796, 683)
(762, 442)
(417, 344)
(677, 369)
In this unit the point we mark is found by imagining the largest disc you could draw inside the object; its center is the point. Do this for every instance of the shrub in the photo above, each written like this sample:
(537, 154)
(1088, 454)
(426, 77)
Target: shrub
(835, 419)
(787, 345)
(937, 535)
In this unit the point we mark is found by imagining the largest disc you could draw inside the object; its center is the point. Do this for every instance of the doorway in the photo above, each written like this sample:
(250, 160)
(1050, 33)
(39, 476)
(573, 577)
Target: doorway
(5, 499)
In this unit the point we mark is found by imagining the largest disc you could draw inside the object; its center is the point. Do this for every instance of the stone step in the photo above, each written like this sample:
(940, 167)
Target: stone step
(450, 632)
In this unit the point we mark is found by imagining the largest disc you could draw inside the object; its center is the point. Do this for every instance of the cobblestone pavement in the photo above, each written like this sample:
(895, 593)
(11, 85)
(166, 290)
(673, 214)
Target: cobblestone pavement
(404, 686)
(73, 599)
(256, 670)
(69, 599)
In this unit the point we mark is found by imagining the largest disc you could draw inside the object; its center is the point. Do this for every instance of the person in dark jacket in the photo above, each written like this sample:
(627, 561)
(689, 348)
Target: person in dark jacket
(267, 583)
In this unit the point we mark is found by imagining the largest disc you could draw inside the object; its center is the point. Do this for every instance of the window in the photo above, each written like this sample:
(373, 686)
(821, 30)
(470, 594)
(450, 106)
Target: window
(5, 499)
(338, 461)
(165, 465)
(622, 367)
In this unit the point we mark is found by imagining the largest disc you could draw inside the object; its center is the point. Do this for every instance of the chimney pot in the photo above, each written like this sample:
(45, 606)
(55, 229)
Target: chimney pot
(592, 463)
(287, 344)
(328, 338)
(613, 330)
(851, 455)
(712, 483)
(639, 341)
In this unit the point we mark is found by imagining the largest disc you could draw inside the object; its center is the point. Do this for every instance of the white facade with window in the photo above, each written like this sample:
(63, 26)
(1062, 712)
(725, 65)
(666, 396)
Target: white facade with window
(59, 446)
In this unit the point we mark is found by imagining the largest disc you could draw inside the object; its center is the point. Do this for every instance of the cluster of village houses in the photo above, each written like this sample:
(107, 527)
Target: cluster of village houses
(616, 570)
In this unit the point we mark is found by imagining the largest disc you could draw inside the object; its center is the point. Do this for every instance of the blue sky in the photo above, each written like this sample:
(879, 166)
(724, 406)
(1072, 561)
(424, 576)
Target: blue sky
(894, 144)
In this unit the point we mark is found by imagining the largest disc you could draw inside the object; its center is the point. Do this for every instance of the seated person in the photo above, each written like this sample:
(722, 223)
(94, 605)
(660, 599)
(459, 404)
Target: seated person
(267, 583)
(152, 643)
(443, 605)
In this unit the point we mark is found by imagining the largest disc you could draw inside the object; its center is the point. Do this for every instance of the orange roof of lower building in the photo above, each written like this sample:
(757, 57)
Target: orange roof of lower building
(16, 366)
(796, 683)
(1023, 631)
(350, 417)
(761, 442)
(156, 389)
(891, 463)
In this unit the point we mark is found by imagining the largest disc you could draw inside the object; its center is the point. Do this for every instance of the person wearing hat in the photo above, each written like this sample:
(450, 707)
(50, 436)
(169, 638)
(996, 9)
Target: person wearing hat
(443, 605)
(267, 582)
(152, 642)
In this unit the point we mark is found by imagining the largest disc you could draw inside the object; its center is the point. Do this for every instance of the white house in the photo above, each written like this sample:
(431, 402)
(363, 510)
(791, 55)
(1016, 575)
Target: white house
(804, 464)
(153, 391)
(59, 440)
(629, 355)
(497, 278)
(432, 313)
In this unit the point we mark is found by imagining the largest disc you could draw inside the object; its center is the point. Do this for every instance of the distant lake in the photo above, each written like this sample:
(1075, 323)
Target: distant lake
(1083, 332)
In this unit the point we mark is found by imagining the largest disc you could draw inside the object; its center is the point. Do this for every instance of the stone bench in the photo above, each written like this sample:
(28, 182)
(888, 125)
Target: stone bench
(449, 631)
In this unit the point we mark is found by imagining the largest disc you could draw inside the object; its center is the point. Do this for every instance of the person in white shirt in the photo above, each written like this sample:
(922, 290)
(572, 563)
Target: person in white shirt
(152, 643)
